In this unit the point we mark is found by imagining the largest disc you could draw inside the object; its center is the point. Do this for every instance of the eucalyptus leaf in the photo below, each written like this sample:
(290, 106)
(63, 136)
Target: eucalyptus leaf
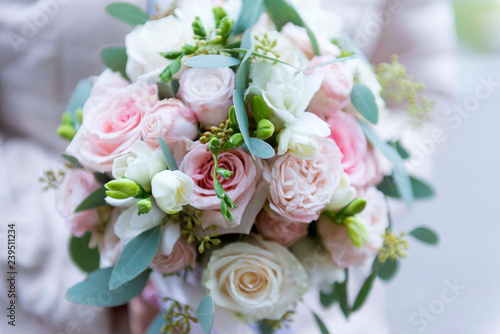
(242, 76)
(421, 190)
(426, 235)
(94, 290)
(205, 313)
(250, 13)
(169, 158)
(83, 256)
(127, 13)
(363, 100)
(342, 295)
(157, 324)
(364, 292)
(115, 57)
(321, 325)
(72, 160)
(260, 148)
(401, 178)
(78, 98)
(329, 299)
(401, 150)
(135, 257)
(388, 269)
(94, 200)
(212, 61)
(242, 116)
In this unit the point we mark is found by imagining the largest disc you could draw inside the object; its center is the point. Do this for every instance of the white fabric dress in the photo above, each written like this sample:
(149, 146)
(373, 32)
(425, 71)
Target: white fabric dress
(47, 46)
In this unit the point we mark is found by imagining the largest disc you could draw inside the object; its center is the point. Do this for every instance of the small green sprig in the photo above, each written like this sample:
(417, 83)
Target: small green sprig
(195, 234)
(394, 247)
(179, 318)
(284, 322)
(401, 88)
(51, 179)
(67, 129)
(349, 217)
(265, 45)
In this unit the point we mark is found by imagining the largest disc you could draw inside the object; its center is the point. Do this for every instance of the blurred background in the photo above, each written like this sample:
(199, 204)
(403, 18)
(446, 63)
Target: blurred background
(420, 299)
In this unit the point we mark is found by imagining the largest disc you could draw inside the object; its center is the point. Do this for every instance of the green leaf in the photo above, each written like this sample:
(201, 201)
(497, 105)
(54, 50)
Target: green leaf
(169, 158)
(135, 257)
(102, 178)
(127, 13)
(115, 57)
(212, 61)
(364, 292)
(342, 295)
(250, 13)
(72, 160)
(282, 12)
(94, 200)
(171, 69)
(78, 98)
(157, 324)
(242, 116)
(205, 313)
(83, 256)
(401, 178)
(264, 328)
(242, 76)
(321, 325)
(421, 190)
(364, 101)
(260, 148)
(426, 235)
(401, 150)
(328, 300)
(388, 269)
(94, 290)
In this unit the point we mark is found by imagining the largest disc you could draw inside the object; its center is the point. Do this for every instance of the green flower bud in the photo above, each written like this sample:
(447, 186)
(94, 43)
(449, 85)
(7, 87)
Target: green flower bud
(66, 118)
(219, 14)
(226, 26)
(66, 131)
(122, 188)
(224, 172)
(171, 55)
(79, 115)
(214, 145)
(356, 228)
(188, 49)
(356, 206)
(232, 117)
(265, 129)
(260, 109)
(198, 27)
(144, 206)
(236, 140)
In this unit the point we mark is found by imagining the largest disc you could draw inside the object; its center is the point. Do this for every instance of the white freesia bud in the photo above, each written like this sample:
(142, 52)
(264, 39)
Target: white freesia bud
(171, 190)
(140, 165)
(344, 194)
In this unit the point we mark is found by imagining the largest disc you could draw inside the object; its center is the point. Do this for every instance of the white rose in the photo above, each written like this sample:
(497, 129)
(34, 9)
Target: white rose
(344, 194)
(140, 165)
(171, 190)
(258, 280)
(145, 43)
(321, 270)
(364, 74)
(208, 92)
(300, 137)
(285, 90)
(129, 224)
(299, 37)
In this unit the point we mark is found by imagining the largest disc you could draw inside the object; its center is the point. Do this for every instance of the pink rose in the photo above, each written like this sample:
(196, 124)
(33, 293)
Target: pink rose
(107, 84)
(208, 92)
(280, 230)
(168, 119)
(77, 185)
(301, 189)
(335, 92)
(183, 255)
(359, 160)
(298, 36)
(247, 187)
(111, 124)
(335, 238)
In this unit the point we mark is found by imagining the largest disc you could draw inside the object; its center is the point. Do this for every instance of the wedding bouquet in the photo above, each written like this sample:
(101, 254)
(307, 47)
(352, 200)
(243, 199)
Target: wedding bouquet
(228, 155)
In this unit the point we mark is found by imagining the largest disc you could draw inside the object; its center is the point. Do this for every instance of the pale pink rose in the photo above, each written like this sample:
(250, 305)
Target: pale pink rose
(280, 230)
(183, 255)
(111, 125)
(335, 92)
(359, 160)
(151, 295)
(247, 187)
(335, 238)
(299, 37)
(77, 185)
(208, 92)
(107, 84)
(168, 119)
(301, 189)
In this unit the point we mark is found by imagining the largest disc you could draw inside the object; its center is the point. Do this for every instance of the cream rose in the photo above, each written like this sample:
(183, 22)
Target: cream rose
(145, 43)
(168, 119)
(208, 92)
(257, 279)
(301, 189)
(140, 165)
(336, 239)
(171, 190)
